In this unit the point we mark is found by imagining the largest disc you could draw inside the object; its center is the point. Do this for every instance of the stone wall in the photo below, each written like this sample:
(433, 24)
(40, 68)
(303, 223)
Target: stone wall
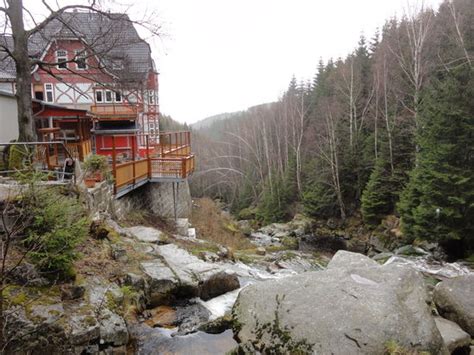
(160, 199)
(156, 197)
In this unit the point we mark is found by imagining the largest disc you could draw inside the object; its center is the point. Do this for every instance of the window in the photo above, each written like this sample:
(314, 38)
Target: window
(117, 64)
(99, 96)
(151, 97)
(48, 89)
(61, 58)
(118, 96)
(108, 96)
(81, 57)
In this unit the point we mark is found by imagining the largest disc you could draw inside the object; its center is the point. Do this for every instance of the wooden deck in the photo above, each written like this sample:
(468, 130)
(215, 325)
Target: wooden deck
(170, 161)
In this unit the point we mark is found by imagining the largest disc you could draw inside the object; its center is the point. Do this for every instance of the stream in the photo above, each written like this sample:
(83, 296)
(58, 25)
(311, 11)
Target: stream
(173, 340)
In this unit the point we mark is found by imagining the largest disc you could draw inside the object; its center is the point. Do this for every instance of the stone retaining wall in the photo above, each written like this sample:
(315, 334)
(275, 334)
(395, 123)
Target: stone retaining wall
(154, 197)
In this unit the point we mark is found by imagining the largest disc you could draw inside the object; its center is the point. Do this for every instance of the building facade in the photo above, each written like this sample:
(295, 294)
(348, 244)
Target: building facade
(99, 63)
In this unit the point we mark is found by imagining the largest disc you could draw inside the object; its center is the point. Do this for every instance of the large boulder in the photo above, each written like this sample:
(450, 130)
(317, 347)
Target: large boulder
(454, 299)
(453, 336)
(354, 307)
(178, 274)
(147, 234)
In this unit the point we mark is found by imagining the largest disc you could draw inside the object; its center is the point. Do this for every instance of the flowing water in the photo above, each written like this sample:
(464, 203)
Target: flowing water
(169, 341)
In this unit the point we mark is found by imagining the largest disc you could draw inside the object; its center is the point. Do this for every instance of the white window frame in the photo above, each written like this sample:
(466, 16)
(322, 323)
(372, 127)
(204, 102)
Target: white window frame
(61, 58)
(101, 94)
(48, 88)
(81, 54)
(111, 96)
(151, 97)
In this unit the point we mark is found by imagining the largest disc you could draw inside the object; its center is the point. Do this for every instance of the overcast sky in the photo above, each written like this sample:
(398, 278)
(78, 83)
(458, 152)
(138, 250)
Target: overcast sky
(226, 55)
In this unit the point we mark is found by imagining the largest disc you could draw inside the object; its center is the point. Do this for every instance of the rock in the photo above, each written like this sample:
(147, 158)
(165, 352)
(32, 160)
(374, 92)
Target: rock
(279, 230)
(383, 257)
(356, 245)
(245, 226)
(46, 314)
(260, 251)
(217, 326)
(455, 301)
(86, 349)
(85, 328)
(179, 274)
(162, 282)
(119, 253)
(120, 350)
(113, 329)
(147, 234)
(262, 239)
(377, 244)
(195, 273)
(218, 284)
(27, 274)
(354, 307)
(223, 252)
(182, 226)
(162, 316)
(191, 317)
(348, 260)
(72, 292)
(209, 256)
(135, 281)
(192, 233)
(410, 250)
(323, 243)
(453, 336)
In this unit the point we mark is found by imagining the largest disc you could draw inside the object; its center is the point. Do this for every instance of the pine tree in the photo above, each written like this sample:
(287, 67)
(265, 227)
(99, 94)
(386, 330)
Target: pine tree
(438, 203)
(378, 196)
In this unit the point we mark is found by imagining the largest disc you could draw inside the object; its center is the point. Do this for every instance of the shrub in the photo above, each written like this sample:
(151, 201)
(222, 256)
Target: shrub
(95, 164)
(59, 224)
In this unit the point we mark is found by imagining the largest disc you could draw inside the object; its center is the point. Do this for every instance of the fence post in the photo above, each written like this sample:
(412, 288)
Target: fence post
(133, 158)
(114, 165)
(148, 155)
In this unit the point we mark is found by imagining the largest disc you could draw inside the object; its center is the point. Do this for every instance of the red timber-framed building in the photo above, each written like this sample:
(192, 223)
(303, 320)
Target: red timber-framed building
(96, 63)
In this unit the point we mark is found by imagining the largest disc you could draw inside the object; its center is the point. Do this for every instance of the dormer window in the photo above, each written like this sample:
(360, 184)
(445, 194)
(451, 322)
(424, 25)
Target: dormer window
(117, 64)
(81, 57)
(61, 59)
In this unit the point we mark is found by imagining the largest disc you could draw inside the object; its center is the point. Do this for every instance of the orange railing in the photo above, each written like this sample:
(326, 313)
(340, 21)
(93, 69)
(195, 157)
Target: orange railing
(173, 144)
(174, 162)
(172, 168)
(115, 111)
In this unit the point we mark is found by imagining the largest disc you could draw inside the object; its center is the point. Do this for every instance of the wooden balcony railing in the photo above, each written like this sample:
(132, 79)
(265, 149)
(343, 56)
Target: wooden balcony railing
(171, 168)
(115, 111)
(130, 172)
(175, 166)
(173, 144)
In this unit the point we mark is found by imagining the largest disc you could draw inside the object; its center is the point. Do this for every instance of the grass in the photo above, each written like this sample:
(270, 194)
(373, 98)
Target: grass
(215, 226)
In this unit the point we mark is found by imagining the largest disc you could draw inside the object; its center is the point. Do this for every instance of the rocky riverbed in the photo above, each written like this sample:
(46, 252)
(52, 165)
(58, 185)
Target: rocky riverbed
(182, 295)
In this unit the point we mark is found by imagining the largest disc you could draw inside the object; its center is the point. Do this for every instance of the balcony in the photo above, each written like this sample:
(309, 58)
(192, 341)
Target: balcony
(169, 161)
(115, 112)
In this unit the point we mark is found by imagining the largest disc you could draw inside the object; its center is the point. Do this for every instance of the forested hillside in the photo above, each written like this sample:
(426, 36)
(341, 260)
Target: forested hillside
(387, 129)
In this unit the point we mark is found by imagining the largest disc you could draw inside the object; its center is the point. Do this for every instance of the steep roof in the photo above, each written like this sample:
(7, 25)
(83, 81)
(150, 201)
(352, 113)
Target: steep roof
(111, 36)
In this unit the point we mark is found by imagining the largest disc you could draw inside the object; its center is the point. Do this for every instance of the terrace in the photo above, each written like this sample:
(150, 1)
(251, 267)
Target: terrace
(170, 160)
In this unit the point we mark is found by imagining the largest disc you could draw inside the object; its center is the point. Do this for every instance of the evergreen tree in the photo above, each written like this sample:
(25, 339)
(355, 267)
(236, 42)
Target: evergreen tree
(378, 196)
(438, 203)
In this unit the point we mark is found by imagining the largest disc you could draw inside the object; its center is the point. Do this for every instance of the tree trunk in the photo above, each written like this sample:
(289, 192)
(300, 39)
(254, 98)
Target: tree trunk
(23, 70)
